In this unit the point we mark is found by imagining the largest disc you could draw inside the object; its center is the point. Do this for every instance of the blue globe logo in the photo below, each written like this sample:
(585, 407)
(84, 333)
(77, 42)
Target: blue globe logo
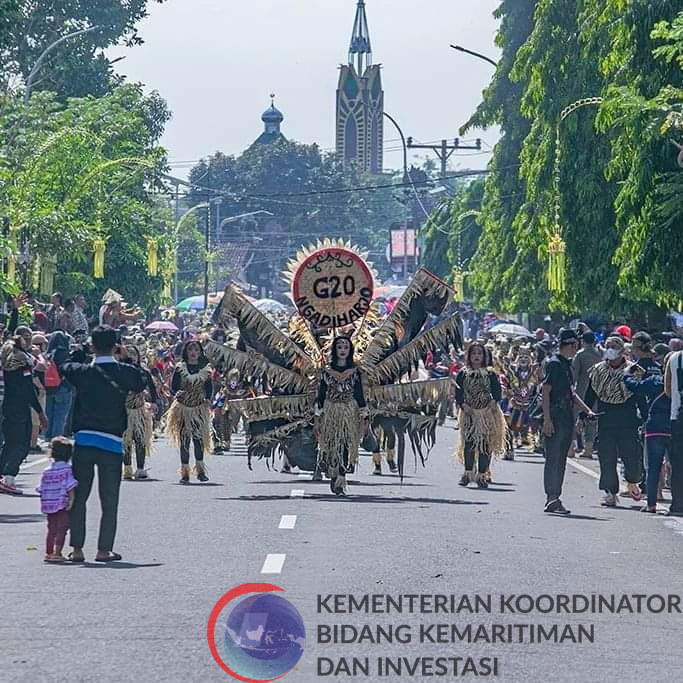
(264, 637)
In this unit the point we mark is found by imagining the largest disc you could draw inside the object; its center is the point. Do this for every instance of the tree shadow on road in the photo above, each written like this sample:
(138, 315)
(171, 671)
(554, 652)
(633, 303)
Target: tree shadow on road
(118, 565)
(21, 519)
(361, 499)
(352, 482)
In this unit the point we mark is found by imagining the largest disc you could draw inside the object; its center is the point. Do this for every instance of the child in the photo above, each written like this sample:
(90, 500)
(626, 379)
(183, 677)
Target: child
(57, 492)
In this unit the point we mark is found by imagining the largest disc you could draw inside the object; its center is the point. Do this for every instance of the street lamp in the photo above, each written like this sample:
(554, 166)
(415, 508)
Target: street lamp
(232, 219)
(46, 52)
(459, 48)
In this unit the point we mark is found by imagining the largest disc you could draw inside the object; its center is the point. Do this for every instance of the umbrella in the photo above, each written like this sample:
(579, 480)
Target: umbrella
(196, 303)
(270, 306)
(510, 330)
(161, 326)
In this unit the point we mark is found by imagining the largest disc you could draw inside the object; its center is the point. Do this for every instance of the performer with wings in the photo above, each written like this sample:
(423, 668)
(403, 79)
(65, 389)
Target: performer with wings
(332, 283)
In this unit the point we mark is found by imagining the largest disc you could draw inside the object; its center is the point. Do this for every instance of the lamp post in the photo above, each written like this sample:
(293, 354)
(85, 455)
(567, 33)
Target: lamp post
(45, 53)
(459, 48)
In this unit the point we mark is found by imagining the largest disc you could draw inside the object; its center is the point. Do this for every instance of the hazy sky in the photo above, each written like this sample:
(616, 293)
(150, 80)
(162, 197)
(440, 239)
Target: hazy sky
(216, 61)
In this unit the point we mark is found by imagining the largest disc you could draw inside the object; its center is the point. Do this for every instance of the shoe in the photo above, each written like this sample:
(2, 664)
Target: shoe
(287, 469)
(393, 467)
(218, 450)
(635, 492)
(184, 474)
(610, 500)
(6, 487)
(141, 474)
(378, 469)
(128, 473)
(652, 510)
(555, 507)
(464, 480)
(482, 483)
(200, 471)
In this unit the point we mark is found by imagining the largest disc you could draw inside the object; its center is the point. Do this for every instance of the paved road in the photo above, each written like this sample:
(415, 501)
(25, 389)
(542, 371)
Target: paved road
(145, 619)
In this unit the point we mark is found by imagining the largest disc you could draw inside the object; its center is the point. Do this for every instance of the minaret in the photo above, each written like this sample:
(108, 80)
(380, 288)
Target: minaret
(272, 120)
(360, 102)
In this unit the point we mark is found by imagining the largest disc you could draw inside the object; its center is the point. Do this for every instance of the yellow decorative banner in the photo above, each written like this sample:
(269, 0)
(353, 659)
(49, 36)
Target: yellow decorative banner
(11, 267)
(458, 285)
(47, 275)
(153, 256)
(99, 246)
(557, 264)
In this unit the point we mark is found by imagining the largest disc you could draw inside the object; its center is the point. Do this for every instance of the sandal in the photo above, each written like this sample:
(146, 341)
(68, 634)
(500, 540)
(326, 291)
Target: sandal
(76, 558)
(112, 557)
(651, 510)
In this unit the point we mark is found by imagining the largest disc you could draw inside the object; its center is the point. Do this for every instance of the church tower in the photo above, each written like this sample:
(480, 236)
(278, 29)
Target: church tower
(360, 102)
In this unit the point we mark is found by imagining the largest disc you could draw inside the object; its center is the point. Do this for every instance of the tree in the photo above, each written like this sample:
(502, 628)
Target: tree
(78, 67)
(312, 195)
(84, 170)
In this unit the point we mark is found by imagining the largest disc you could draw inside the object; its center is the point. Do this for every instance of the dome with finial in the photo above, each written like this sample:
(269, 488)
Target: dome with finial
(272, 114)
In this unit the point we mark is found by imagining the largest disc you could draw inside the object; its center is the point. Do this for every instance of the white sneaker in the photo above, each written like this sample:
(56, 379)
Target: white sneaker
(141, 474)
(610, 500)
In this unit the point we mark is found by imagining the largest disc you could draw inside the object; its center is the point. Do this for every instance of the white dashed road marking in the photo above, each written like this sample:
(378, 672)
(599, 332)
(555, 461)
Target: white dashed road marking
(287, 522)
(273, 564)
(28, 465)
(297, 493)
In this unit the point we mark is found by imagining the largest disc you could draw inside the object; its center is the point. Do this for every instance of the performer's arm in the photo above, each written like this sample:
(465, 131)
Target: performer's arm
(459, 391)
(358, 393)
(175, 383)
(496, 389)
(208, 389)
(322, 394)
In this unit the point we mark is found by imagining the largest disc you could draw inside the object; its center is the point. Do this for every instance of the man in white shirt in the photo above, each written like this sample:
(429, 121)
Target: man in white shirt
(673, 387)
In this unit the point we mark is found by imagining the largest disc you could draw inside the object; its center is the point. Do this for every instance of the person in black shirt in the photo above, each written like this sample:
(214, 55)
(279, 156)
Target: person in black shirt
(20, 398)
(99, 421)
(559, 401)
(189, 417)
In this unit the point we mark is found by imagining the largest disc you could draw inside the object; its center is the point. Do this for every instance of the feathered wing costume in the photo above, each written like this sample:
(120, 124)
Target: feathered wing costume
(292, 367)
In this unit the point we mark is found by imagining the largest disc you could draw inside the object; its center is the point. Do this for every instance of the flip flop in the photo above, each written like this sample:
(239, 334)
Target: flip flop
(113, 557)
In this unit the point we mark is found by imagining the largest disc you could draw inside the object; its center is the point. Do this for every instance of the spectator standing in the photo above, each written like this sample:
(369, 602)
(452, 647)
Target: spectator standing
(20, 398)
(559, 402)
(80, 319)
(583, 361)
(99, 422)
(673, 387)
(54, 311)
(57, 492)
(59, 393)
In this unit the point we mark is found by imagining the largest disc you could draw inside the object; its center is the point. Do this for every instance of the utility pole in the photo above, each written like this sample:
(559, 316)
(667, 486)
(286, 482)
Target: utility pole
(176, 239)
(445, 150)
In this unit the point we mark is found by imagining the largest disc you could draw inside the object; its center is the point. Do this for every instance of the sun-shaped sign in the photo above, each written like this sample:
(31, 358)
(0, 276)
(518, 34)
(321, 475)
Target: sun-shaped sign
(332, 284)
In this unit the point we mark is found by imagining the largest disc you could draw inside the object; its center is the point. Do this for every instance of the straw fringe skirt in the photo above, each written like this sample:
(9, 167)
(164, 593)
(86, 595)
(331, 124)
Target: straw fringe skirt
(139, 429)
(340, 433)
(485, 430)
(184, 423)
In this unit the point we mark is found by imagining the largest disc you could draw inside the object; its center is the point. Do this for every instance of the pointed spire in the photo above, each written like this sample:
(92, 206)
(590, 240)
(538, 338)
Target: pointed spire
(360, 50)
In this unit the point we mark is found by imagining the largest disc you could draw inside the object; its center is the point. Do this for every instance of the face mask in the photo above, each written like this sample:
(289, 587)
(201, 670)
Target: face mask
(612, 354)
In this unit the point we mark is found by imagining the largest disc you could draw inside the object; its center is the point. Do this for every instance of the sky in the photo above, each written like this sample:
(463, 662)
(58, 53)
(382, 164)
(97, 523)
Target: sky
(216, 62)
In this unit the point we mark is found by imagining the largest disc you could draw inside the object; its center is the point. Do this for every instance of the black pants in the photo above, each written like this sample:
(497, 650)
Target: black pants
(556, 448)
(185, 451)
(615, 444)
(17, 432)
(108, 484)
(676, 458)
(483, 462)
(140, 452)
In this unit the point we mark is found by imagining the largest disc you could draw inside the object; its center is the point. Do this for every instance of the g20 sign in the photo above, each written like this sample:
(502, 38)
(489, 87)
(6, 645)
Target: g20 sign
(333, 287)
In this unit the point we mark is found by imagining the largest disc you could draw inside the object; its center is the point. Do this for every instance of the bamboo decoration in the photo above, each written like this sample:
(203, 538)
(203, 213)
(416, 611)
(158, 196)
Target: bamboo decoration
(11, 267)
(47, 275)
(35, 272)
(152, 256)
(99, 246)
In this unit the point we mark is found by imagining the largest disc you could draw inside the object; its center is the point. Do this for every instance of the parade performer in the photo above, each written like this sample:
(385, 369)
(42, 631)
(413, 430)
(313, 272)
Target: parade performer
(386, 351)
(523, 380)
(482, 423)
(140, 430)
(226, 416)
(189, 417)
(341, 415)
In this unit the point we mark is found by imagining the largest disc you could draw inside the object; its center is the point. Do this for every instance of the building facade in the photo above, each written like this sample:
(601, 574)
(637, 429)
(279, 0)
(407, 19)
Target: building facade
(360, 102)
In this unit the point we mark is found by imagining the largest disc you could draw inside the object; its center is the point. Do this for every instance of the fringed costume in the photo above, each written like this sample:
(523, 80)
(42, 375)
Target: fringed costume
(341, 411)
(483, 430)
(296, 381)
(189, 417)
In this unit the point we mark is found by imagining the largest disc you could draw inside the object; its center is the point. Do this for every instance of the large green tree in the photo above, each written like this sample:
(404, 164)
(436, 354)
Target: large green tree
(77, 67)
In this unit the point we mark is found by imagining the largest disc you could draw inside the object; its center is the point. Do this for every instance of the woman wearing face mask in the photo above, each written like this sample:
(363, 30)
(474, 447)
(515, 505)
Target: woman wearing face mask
(189, 417)
(140, 432)
(341, 415)
(618, 422)
(483, 429)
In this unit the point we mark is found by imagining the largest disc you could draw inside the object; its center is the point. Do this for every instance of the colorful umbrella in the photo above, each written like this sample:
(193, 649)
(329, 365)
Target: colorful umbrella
(196, 303)
(161, 326)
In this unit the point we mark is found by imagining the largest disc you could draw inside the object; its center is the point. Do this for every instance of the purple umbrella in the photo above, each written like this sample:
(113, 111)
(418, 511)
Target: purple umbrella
(161, 326)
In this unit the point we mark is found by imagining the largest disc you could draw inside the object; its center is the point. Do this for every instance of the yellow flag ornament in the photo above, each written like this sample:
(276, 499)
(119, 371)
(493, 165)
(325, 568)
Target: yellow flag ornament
(557, 264)
(99, 245)
(152, 256)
